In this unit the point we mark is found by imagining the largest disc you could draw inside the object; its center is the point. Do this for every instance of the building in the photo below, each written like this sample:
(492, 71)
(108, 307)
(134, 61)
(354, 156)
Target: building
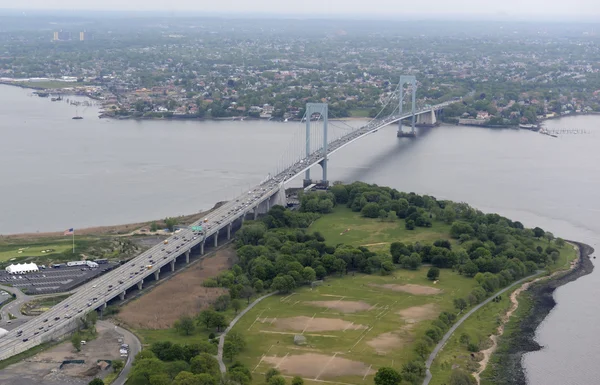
(84, 35)
(22, 268)
(62, 36)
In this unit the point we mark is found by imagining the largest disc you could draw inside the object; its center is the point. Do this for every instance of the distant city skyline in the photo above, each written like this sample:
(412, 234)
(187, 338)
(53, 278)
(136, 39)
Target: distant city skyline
(508, 9)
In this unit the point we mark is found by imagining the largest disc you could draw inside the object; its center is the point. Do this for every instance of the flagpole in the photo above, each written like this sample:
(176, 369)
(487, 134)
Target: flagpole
(73, 241)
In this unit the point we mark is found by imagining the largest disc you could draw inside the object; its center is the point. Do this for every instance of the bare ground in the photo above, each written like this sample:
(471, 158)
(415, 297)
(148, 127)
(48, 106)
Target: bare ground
(342, 306)
(419, 313)
(309, 324)
(410, 288)
(318, 366)
(183, 294)
(387, 342)
(43, 367)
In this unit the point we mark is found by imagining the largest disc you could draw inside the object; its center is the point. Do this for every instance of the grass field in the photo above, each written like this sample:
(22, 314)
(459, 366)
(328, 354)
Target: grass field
(353, 325)
(50, 84)
(348, 227)
(360, 113)
(38, 249)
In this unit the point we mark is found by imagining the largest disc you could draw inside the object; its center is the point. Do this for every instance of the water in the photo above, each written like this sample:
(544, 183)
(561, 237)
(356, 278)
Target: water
(59, 173)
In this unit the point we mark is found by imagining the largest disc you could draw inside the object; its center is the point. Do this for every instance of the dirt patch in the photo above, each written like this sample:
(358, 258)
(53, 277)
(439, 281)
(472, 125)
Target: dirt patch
(411, 289)
(419, 313)
(183, 294)
(342, 306)
(43, 368)
(309, 324)
(387, 342)
(318, 366)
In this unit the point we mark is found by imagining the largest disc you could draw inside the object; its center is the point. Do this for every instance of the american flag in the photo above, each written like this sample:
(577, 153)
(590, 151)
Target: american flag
(69, 232)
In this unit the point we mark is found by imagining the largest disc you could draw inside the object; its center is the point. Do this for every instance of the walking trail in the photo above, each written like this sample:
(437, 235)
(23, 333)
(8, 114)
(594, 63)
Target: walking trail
(231, 325)
(448, 334)
(487, 353)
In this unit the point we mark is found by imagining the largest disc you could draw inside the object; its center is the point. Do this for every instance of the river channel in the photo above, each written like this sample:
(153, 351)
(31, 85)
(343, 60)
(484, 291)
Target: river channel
(58, 173)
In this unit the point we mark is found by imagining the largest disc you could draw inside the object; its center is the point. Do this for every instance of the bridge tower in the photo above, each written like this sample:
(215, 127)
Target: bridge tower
(412, 81)
(322, 110)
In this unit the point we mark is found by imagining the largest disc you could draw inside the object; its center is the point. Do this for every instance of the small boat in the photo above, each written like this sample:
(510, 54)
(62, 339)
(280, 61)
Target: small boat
(77, 117)
(56, 99)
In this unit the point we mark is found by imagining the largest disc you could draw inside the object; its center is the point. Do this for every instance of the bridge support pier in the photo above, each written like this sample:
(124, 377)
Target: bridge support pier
(122, 296)
(173, 265)
(157, 275)
(229, 231)
(255, 212)
(104, 305)
(140, 284)
(412, 81)
(217, 238)
(323, 165)
(202, 247)
(187, 256)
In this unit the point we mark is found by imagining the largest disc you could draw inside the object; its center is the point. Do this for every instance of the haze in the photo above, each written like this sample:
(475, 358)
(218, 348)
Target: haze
(508, 9)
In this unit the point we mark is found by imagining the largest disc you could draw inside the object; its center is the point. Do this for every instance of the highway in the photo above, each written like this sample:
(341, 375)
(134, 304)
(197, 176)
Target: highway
(64, 317)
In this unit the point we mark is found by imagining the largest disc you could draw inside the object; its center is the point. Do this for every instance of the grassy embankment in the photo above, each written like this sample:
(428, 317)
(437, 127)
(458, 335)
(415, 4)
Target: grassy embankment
(481, 325)
(41, 305)
(382, 333)
(48, 85)
(360, 113)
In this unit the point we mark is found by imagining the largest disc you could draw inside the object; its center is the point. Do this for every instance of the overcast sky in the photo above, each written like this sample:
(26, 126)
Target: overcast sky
(542, 8)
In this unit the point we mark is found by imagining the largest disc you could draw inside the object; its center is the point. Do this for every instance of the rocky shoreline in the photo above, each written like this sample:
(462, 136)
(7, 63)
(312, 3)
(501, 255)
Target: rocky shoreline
(509, 367)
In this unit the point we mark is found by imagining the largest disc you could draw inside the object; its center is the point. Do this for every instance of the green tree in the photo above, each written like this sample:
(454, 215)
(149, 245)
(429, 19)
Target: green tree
(204, 363)
(276, 380)
(433, 273)
(259, 286)
(460, 304)
(218, 321)
(76, 341)
(422, 349)
(283, 284)
(370, 210)
(387, 376)
(309, 274)
(96, 381)
(171, 223)
(153, 227)
(271, 373)
(559, 242)
(236, 305)
(230, 350)
(247, 292)
(117, 365)
(205, 317)
(297, 381)
(185, 325)
(160, 379)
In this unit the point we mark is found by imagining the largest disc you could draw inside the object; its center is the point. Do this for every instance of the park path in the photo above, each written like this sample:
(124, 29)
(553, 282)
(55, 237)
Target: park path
(231, 325)
(448, 334)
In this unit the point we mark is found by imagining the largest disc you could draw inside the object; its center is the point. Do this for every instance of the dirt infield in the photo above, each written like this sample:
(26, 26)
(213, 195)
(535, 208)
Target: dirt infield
(387, 342)
(410, 289)
(419, 313)
(318, 366)
(309, 324)
(342, 306)
(182, 294)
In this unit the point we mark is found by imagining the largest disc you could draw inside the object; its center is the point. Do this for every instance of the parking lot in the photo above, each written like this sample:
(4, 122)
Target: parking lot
(54, 280)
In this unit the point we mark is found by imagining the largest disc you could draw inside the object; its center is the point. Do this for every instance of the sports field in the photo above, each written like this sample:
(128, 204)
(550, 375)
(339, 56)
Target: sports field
(352, 325)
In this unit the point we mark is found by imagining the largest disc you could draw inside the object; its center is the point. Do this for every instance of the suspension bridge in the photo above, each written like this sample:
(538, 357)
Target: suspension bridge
(313, 144)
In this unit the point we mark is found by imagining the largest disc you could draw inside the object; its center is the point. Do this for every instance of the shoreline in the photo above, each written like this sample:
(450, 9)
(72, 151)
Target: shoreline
(113, 230)
(514, 299)
(509, 367)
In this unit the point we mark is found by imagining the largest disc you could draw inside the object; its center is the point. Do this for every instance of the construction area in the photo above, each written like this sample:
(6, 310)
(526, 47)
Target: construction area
(63, 365)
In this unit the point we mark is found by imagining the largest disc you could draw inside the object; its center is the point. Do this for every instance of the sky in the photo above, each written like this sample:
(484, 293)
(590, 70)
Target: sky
(521, 9)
